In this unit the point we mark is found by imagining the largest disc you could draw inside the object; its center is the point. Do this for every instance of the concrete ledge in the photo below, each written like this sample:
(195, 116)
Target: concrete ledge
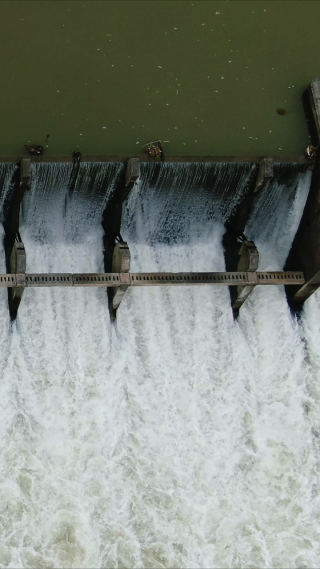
(300, 159)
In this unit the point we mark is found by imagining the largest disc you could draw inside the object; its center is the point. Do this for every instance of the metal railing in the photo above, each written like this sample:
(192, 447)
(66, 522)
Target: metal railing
(151, 279)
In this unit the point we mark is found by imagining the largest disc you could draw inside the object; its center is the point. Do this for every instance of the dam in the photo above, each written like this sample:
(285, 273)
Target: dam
(170, 420)
(230, 191)
(226, 190)
(131, 443)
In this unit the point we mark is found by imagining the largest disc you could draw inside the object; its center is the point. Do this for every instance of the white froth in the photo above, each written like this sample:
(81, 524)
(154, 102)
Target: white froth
(174, 438)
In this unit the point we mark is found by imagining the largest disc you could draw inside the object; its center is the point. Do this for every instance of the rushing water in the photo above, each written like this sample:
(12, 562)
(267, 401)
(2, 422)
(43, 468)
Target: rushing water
(176, 437)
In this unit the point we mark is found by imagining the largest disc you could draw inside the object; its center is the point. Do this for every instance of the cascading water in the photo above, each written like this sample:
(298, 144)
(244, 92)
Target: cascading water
(176, 437)
(179, 198)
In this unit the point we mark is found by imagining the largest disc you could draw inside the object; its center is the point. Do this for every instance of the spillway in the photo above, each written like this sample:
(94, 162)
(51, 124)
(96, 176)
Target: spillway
(176, 437)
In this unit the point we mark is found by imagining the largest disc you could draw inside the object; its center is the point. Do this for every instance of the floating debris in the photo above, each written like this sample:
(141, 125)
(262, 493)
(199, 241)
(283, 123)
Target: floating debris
(76, 157)
(154, 149)
(311, 152)
(34, 150)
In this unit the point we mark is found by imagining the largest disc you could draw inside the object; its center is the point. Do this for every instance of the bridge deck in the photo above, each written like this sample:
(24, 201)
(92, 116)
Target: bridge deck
(151, 279)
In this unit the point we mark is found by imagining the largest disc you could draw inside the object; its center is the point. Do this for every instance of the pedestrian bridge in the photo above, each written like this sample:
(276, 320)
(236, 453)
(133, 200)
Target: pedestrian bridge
(118, 282)
(114, 280)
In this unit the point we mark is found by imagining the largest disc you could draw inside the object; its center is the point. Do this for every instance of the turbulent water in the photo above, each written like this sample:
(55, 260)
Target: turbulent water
(176, 437)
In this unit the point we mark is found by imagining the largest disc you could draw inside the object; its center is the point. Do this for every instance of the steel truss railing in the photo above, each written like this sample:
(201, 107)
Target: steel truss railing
(151, 279)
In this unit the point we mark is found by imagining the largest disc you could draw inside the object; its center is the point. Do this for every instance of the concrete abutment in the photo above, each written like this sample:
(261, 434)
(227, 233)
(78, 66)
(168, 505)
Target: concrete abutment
(305, 250)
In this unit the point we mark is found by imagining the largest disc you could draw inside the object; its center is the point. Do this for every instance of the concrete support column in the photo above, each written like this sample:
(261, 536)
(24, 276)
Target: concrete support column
(305, 252)
(248, 262)
(265, 174)
(111, 218)
(11, 208)
(17, 267)
(235, 226)
(132, 171)
(120, 264)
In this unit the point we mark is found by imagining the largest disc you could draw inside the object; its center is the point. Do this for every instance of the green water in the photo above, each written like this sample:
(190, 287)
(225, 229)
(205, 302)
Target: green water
(107, 77)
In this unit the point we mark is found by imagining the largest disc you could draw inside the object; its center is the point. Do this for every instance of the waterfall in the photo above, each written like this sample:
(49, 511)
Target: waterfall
(52, 208)
(176, 437)
(276, 215)
(176, 197)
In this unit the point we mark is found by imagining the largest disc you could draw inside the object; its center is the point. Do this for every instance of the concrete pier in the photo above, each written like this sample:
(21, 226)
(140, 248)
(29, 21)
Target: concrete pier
(132, 172)
(249, 261)
(305, 251)
(111, 219)
(120, 264)
(17, 267)
(235, 225)
(11, 211)
(112, 216)
(265, 174)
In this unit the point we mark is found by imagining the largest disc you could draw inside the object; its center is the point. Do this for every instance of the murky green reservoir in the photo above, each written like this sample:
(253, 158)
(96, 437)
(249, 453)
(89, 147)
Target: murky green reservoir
(107, 77)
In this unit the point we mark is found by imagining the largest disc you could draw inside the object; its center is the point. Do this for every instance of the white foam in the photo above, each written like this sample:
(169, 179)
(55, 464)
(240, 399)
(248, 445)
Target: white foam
(176, 437)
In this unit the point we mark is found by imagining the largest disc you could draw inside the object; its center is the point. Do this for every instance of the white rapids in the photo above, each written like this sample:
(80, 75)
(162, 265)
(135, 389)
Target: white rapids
(174, 438)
